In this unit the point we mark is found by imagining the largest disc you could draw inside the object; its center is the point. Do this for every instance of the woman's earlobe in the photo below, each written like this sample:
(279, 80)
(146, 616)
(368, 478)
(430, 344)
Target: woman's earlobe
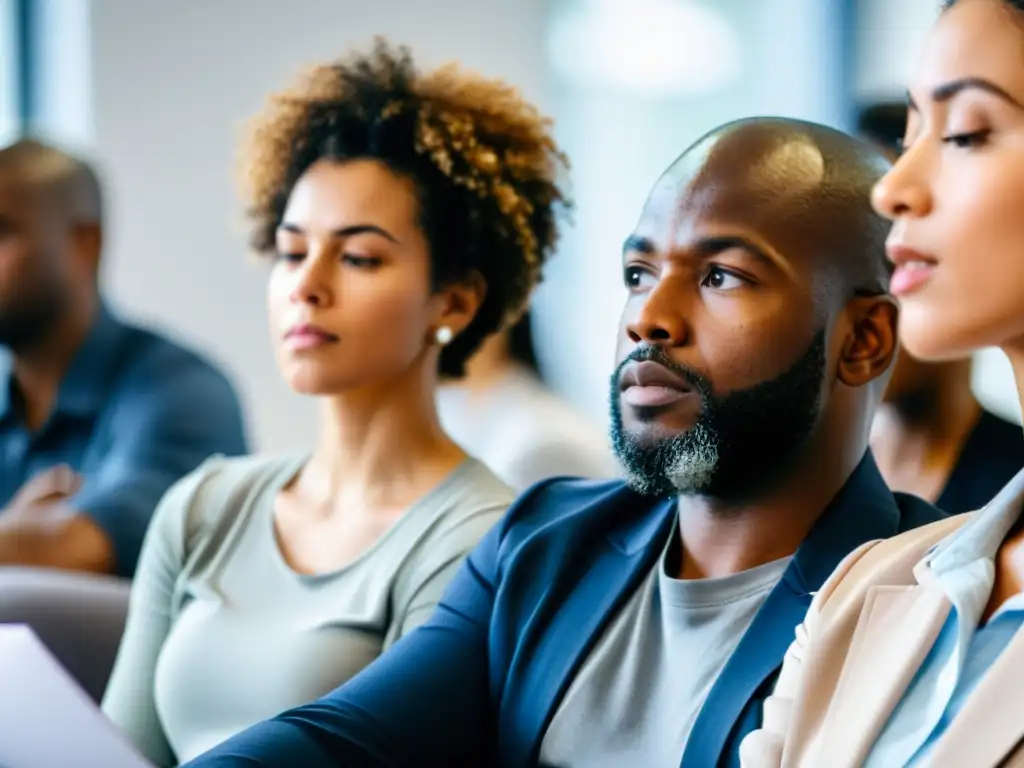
(443, 336)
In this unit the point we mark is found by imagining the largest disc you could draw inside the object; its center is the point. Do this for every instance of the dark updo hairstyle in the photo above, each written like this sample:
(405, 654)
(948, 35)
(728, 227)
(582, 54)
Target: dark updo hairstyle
(521, 348)
(884, 123)
(483, 161)
(1017, 5)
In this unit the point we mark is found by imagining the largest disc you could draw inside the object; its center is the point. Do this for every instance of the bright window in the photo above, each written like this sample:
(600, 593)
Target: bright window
(10, 54)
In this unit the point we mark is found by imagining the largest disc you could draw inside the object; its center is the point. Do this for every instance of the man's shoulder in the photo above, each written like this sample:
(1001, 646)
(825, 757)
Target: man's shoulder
(561, 506)
(561, 497)
(151, 359)
(916, 512)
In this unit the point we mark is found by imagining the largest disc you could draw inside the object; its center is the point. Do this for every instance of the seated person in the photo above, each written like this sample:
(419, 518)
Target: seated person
(931, 437)
(642, 622)
(502, 412)
(393, 204)
(98, 418)
(912, 654)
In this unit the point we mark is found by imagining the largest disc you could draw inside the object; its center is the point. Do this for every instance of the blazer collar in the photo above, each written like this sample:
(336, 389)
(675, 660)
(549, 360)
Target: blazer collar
(604, 573)
(644, 521)
(984, 532)
(864, 509)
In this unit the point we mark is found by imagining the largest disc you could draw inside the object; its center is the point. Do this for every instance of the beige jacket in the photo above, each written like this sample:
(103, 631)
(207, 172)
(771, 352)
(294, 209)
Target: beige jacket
(867, 632)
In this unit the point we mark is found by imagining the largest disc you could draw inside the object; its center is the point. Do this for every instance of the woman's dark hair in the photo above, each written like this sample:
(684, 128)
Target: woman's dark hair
(520, 344)
(483, 161)
(884, 123)
(1015, 4)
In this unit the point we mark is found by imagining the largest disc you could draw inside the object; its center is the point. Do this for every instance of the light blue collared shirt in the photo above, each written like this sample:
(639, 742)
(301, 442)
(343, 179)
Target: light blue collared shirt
(964, 568)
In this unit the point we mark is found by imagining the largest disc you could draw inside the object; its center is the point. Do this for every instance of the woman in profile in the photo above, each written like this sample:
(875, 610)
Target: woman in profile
(406, 216)
(912, 654)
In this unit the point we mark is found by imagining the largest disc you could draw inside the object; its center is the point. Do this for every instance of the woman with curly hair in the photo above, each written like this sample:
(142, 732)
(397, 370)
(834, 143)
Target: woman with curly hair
(407, 216)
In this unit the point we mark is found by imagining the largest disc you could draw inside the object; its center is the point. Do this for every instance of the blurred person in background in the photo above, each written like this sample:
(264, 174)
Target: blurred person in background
(643, 622)
(931, 437)
(407, 216)
(502, 412)
(98, 418)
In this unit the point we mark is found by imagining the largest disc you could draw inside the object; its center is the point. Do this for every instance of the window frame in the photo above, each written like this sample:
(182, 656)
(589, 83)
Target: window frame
(16, 70)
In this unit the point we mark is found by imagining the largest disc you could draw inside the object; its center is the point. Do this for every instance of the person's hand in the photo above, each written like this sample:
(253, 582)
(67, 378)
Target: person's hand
(40, 527)
(47, 487)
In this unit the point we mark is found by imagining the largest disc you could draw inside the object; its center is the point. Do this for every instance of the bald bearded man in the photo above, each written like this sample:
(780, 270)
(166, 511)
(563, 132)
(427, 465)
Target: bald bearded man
(643, 622)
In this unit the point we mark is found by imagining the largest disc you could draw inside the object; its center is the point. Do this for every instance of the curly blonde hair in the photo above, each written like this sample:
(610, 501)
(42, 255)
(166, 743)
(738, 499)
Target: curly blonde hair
(482, 158)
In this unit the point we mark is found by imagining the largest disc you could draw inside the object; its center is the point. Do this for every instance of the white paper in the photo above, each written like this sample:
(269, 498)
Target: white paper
(46, 720)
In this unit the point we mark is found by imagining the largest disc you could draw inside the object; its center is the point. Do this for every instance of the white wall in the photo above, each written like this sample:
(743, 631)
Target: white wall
(889, 34)
(62, 77)
(889, 37)
(171, 82)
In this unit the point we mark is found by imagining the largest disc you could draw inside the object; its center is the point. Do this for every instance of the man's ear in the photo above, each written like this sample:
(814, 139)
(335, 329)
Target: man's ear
(459, 303)
(88, 240)
(870, 346)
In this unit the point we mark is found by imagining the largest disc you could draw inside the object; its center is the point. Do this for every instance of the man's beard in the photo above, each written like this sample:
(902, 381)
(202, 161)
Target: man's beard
(742, 441)
(26, 321)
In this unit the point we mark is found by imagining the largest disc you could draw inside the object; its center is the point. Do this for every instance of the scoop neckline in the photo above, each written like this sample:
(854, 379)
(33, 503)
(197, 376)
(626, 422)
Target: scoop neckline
(285, 478)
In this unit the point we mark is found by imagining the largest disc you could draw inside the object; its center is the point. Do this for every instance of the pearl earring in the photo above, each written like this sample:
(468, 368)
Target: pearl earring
(443, 335)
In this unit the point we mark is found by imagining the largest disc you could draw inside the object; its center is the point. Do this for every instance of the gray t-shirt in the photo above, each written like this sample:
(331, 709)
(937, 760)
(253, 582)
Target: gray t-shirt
(637, 694)
(222, 633)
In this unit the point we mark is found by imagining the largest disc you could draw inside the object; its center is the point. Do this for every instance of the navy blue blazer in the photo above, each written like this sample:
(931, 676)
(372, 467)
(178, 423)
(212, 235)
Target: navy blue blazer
(478, 684)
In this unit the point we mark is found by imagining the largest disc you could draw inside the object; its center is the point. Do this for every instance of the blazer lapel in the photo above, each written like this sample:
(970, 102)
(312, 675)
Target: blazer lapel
(615, 566)
(864, 509)
(991, 724)
(758, 656)
(898, 626)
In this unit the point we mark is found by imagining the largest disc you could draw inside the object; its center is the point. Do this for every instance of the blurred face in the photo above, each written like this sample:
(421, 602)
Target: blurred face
(955, 195)
(349, 297)
(722, 352)
(36, 265)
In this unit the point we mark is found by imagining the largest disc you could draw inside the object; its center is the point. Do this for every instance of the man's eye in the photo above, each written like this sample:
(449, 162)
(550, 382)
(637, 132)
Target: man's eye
(722, 280)
(632, 276)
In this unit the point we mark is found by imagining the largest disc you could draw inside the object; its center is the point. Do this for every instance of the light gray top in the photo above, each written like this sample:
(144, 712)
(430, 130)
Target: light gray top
(222, 633)
(638, 693)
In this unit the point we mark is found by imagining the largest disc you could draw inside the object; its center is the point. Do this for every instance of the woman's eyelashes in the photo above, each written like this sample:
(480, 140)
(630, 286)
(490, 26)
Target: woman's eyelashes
(351, 259)
(362, 262)
(967, 139)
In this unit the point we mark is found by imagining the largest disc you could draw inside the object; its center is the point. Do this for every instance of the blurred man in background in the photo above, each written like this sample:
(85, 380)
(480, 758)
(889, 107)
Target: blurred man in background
(97, 417)
(931, 437)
